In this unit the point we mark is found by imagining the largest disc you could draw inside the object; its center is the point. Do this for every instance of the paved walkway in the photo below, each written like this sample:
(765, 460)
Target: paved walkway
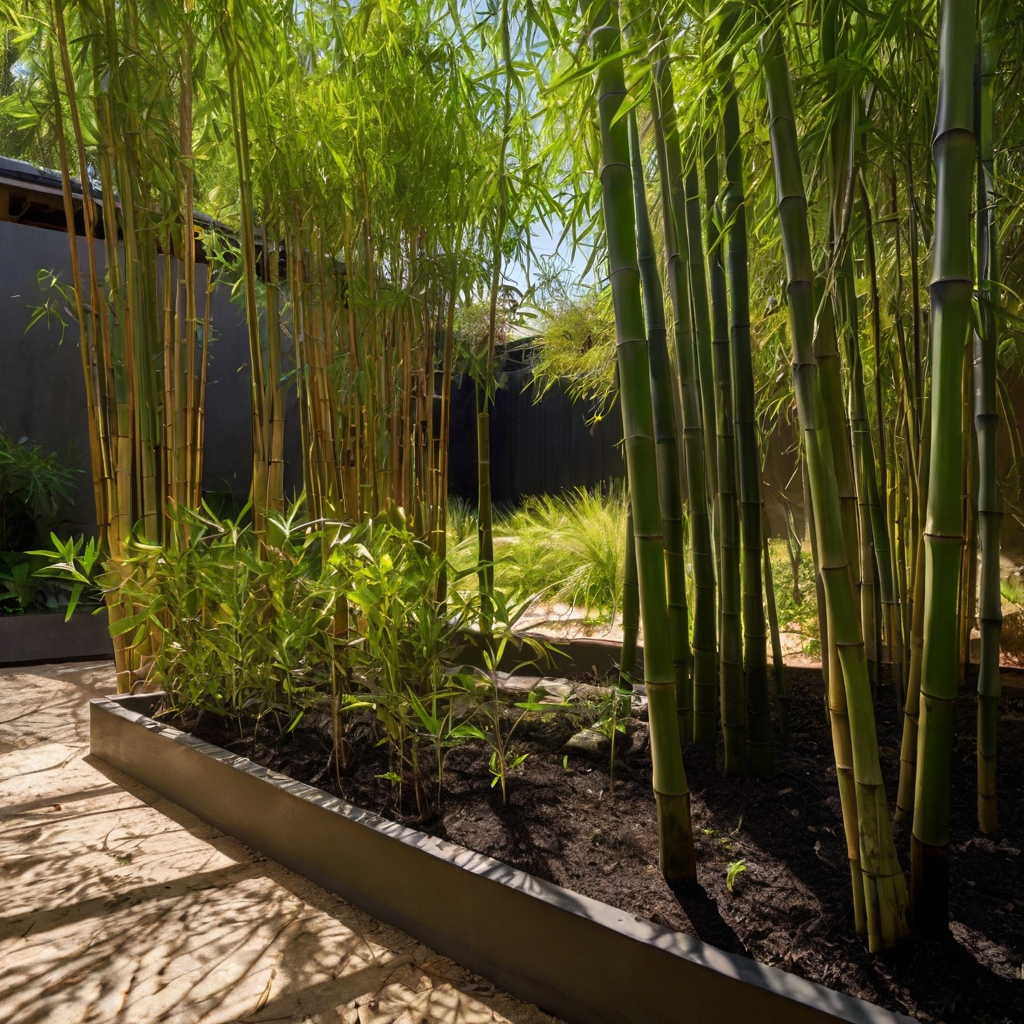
(116, 905)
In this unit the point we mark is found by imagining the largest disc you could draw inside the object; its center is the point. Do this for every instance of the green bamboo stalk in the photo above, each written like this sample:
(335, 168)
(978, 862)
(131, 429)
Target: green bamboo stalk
(630, 604)
(704, 689)
(882, 883)
(967, 597)
(664, 411)
(484, 507)
(826, 354)
(730, 644)
(868, 514)
(243, 166)
(835, 317)
(193, 484)
(826, 358)
(669, 776)
(781, 693)
(912, 711)
(885, 553)
(755, 639)
(275, 397)
(819, 586)
(485, 388)
(951, 293)
(680, 270)
(986, 419)
(88, 313)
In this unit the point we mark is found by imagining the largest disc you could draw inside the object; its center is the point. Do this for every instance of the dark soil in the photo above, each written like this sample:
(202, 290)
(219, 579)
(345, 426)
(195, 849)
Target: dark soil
(790, 908)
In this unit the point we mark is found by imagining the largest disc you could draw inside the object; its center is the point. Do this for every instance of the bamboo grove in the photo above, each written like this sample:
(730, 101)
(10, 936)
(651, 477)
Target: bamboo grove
(346, 265)
(851, 196)
(805, 215)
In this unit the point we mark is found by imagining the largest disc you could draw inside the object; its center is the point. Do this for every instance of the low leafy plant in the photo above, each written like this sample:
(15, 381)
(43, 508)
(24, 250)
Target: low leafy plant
(231, 625)
(613, 716)
(462, 521)
(267, 627)
(484, 696)
(21, 587)
(74, 563)
(400, 642)
(1011, 587)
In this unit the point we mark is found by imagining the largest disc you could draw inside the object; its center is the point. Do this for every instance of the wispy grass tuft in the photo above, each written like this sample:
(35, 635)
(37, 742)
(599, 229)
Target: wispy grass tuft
(569, 548)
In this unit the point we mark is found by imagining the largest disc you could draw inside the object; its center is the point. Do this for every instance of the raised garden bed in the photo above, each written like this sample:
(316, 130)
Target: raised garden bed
(581, 959)
(40, 637)
(788, 908)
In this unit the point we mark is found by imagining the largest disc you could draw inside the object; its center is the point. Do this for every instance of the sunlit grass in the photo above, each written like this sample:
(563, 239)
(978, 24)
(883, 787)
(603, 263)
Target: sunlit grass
(569, 549)
(795, 599)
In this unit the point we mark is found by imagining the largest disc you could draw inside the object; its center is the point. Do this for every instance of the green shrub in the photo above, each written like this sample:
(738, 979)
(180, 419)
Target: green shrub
(462, 521)
(237, 625)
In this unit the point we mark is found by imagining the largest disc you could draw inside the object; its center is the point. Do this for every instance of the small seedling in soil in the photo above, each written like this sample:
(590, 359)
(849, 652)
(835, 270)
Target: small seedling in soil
(733, 871)
(499, 772)
(610, 723)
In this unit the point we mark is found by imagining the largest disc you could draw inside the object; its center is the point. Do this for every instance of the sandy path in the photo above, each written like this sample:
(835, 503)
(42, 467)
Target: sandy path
(119, 906)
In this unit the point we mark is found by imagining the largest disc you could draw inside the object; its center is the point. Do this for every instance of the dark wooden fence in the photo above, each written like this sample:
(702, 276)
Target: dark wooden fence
(540, 447)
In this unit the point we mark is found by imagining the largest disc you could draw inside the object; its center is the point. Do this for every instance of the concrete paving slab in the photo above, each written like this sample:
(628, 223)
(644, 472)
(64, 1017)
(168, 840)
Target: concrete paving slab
(118, 906)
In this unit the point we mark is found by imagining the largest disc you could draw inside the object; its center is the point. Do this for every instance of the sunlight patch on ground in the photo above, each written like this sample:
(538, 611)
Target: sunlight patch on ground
(118, 905)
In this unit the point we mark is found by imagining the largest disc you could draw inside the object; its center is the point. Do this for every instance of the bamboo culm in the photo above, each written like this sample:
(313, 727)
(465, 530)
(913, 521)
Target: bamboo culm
(986, 420)
(755, 639)
(951, 293)
(882, 888)
(677, 268)
(730, 638)
(669, 776)
(663, 408)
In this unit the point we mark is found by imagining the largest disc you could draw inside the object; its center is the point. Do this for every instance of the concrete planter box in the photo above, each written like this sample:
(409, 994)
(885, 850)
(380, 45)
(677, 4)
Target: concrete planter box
(579, 959)
(45, 637)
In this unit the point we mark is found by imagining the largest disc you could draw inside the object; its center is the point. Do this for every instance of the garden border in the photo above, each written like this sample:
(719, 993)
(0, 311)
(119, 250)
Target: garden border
(38, 638)
(587, 653)
(579, 959)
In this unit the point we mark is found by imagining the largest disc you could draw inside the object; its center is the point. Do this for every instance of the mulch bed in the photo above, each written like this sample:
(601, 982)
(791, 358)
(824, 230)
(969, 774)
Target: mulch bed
(790, 907)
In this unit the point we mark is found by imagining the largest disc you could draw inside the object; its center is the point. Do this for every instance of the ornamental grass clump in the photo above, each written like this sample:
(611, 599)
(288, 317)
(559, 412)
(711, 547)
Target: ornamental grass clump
(569, 547)
(237, 625)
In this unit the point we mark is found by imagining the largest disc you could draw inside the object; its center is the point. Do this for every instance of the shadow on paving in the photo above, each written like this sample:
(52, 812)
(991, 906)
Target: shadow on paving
(118, 905)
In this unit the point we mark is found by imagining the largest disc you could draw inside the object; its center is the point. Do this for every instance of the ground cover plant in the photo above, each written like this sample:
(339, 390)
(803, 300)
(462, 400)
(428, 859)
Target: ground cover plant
(797, 219)
(32, 483)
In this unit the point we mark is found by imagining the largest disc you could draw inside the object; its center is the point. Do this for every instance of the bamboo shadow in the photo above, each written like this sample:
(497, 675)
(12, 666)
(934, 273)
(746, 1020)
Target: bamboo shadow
(708, 924)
